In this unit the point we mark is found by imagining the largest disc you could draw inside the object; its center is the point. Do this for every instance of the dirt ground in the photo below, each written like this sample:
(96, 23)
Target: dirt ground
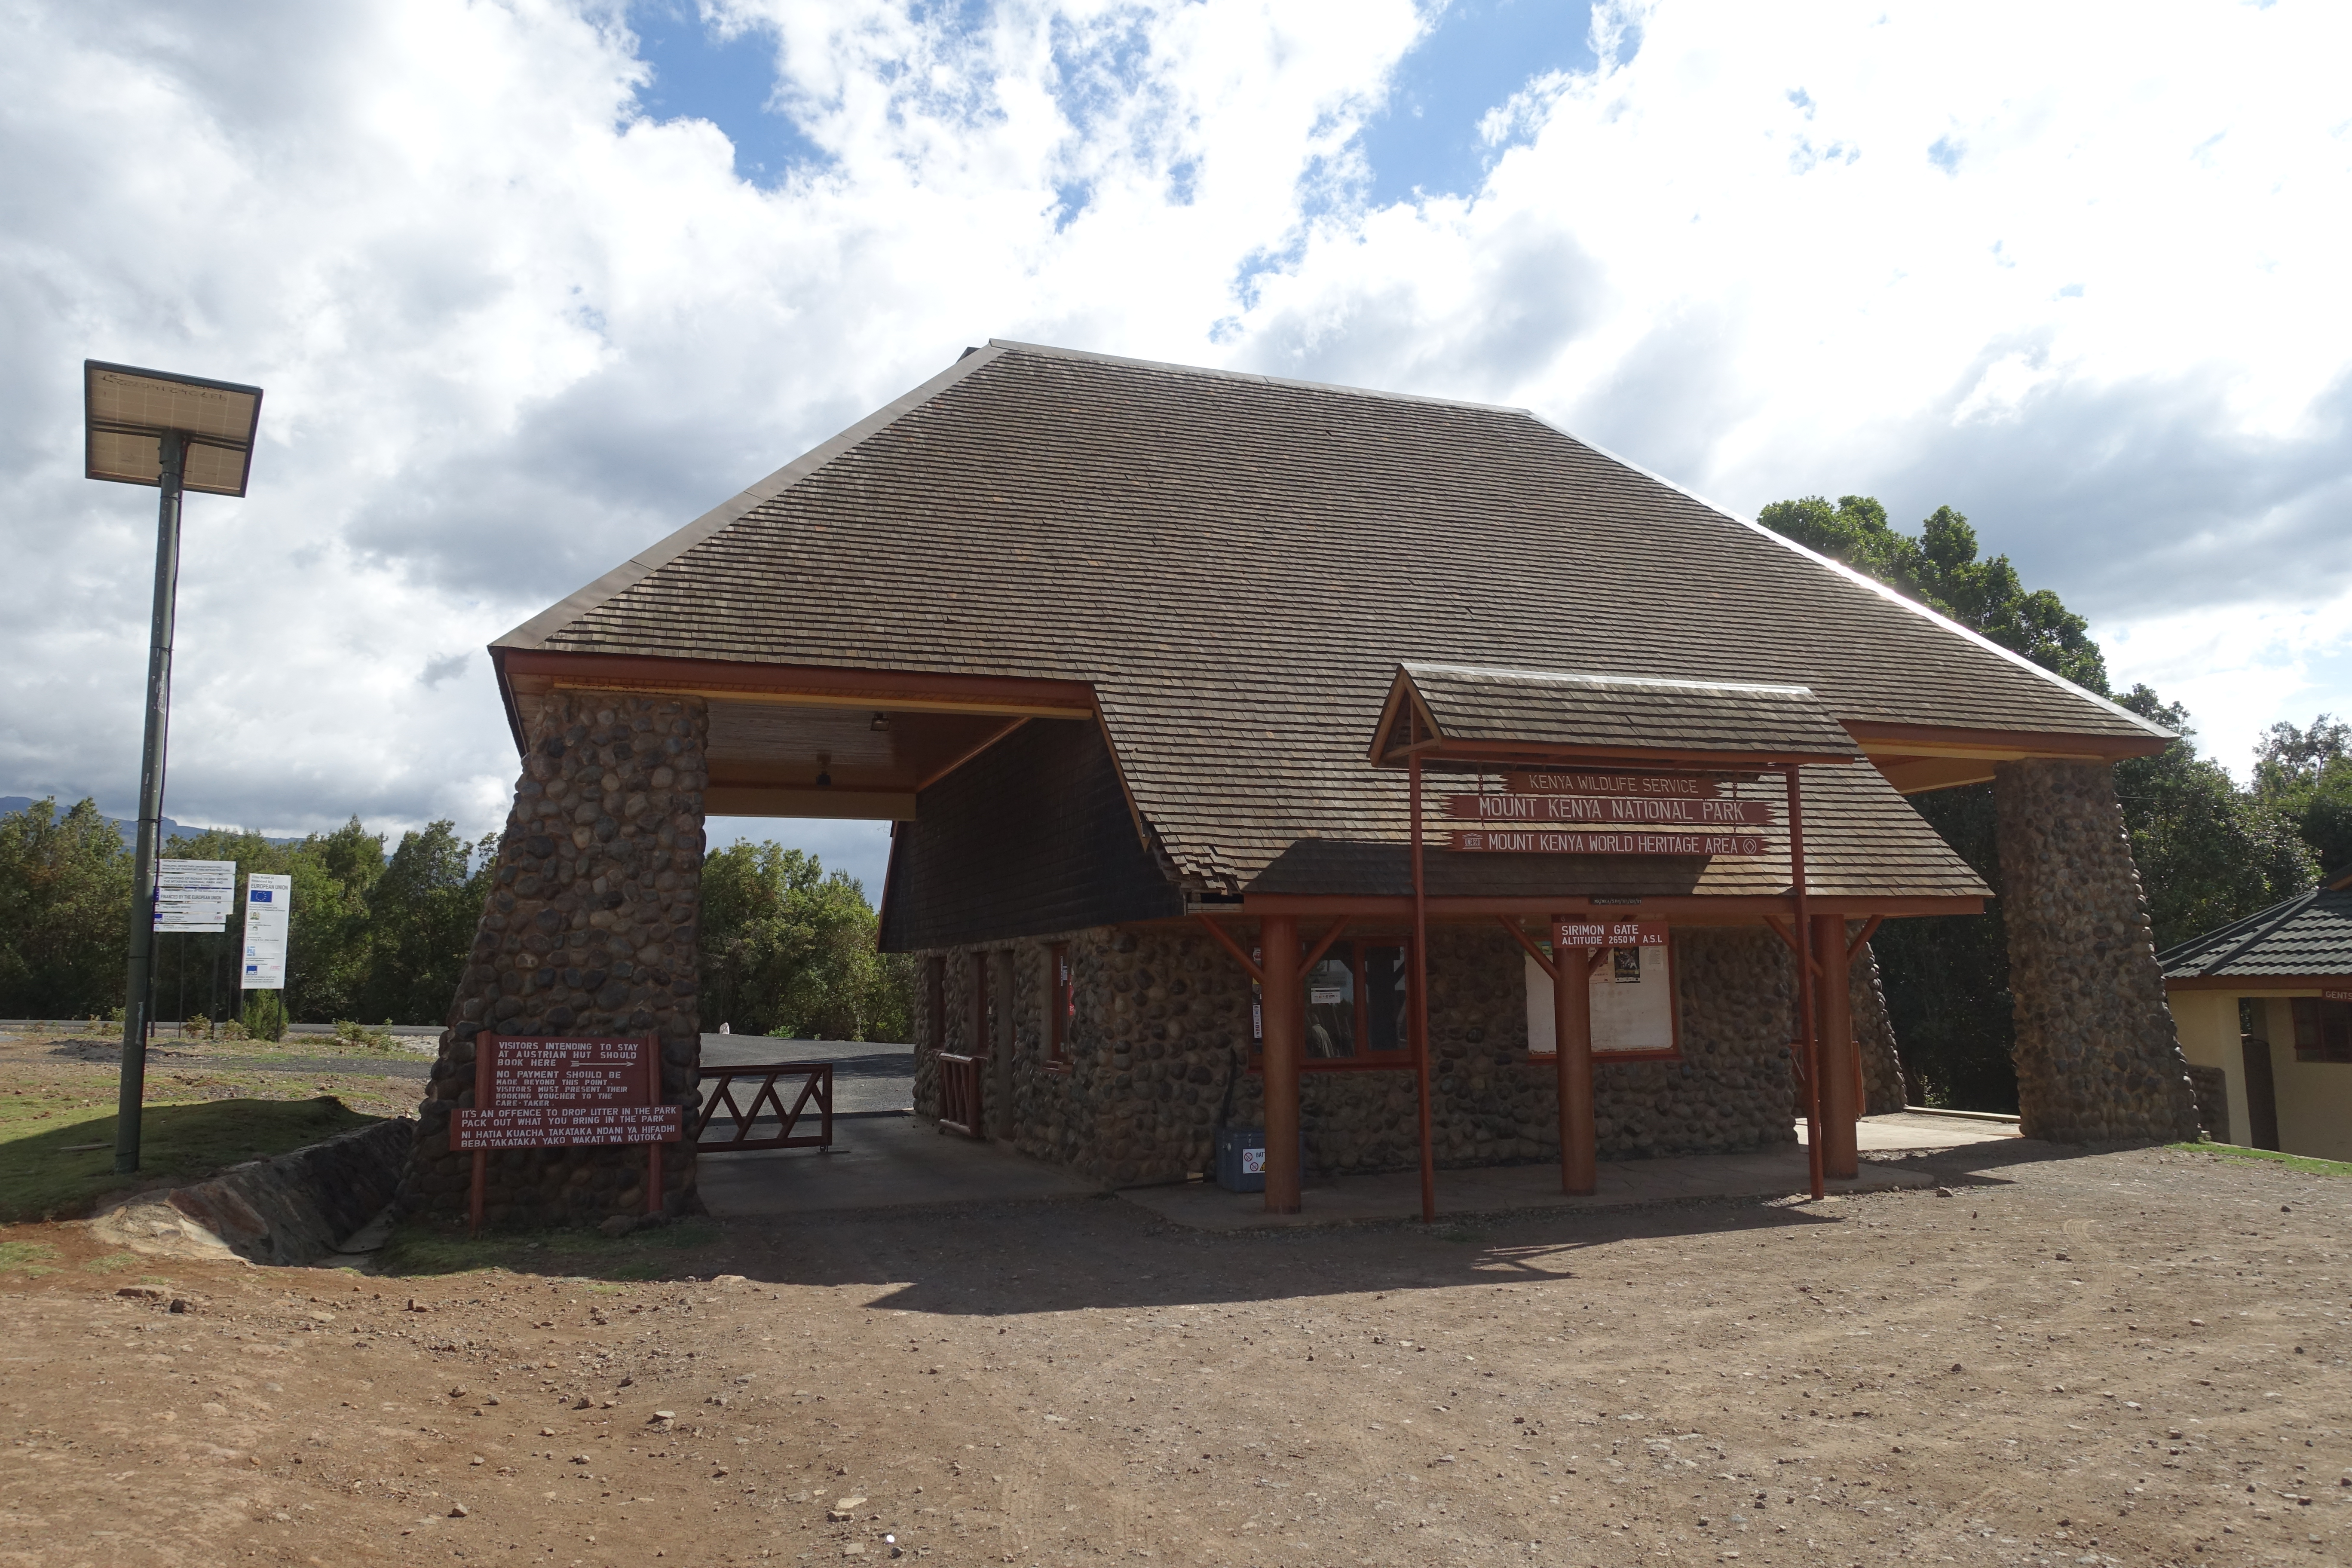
(2130, 1358)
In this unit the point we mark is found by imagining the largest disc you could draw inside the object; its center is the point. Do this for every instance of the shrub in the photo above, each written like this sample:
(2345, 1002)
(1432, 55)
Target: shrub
(265, 1016)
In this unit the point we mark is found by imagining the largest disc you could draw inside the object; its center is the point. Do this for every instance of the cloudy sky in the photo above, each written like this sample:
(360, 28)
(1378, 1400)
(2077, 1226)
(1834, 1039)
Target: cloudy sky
(531, 283)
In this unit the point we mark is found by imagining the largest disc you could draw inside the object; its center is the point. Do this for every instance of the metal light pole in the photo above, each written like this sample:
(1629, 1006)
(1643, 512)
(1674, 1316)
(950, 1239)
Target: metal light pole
(177, 433)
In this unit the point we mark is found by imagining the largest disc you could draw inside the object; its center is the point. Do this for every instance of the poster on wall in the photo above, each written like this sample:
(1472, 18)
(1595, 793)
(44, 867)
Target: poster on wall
(1632, 1004)
(268, 905)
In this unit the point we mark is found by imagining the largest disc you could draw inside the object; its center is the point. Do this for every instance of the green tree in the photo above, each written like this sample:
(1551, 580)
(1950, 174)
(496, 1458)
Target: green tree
(330, 945)
(421, 912)
(1940, 570)
(2306, 775)
(65, 912)
(2209, 852)
(788, 950)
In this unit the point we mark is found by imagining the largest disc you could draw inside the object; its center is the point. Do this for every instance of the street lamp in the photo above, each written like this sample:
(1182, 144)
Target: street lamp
(177, 433)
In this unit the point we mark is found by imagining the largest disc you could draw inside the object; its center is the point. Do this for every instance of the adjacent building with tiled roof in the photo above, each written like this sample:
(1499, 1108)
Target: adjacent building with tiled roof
(2265, 1009)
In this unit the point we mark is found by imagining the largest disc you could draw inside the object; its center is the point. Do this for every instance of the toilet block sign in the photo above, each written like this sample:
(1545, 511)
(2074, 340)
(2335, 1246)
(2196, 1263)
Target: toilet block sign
(268, 904)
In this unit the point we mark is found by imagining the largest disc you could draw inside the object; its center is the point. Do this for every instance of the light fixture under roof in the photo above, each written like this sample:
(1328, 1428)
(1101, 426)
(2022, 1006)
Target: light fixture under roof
(128, 411)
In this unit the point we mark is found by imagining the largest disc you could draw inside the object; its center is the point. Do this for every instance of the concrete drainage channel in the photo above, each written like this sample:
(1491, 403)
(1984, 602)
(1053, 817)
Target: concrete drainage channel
(331, 1198)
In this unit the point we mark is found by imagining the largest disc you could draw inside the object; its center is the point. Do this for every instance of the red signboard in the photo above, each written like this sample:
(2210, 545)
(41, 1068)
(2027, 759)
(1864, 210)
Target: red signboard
(2336, 995)
(561, 1093)
(1609, 933)
(1668, 811)
(1552, 842)
(1667, 786)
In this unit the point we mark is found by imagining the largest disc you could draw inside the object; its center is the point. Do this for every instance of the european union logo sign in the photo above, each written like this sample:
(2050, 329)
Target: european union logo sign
(259, 895)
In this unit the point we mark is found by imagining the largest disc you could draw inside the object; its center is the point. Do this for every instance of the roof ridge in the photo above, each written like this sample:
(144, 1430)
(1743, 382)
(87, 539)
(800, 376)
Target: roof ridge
(2258, 925)
(1599, 678)
(1867, 581)
(534, 632)
(1093, 356)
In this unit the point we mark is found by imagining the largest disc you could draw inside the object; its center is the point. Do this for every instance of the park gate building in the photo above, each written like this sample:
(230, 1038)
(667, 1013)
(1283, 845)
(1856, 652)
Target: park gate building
(1404, 778)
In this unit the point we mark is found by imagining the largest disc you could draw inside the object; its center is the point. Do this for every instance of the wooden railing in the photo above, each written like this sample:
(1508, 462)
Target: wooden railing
(960, 1094)
(815, 1084)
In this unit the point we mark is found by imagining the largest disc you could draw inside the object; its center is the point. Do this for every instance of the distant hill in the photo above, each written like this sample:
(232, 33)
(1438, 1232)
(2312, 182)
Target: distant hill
(129, 825)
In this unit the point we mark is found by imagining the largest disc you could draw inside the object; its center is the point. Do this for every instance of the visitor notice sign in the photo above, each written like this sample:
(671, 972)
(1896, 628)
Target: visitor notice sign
(555, 1093)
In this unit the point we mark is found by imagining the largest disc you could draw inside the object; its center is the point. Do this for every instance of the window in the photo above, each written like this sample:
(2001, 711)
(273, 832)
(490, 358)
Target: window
(2323, 1030)
(1061, 1006)
(1356, 1000)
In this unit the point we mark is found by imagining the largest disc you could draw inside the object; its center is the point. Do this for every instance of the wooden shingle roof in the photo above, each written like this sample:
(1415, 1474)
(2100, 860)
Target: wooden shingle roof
(1237, 564)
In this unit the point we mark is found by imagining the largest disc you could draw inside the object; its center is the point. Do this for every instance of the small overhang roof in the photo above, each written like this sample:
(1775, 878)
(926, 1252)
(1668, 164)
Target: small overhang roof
(1458, 713)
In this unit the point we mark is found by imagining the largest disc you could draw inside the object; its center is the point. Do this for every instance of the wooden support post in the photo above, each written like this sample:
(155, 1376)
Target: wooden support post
(1571, 1034)
(1838, 1056)
(1425, 1084)
(1807, 1026)
(1285, 1021)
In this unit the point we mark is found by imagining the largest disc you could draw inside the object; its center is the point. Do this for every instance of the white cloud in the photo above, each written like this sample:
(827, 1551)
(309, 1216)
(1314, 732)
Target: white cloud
(510, 329)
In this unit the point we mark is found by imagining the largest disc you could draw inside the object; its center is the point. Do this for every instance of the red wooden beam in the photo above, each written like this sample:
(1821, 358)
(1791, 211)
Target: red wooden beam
(1323, 947)
(1547, 965)
(1234, 947)
(1868, 926)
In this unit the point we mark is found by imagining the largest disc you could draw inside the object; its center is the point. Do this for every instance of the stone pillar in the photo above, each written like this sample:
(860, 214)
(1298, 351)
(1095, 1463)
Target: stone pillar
(1883, 1090)
(590, 929)
(2098, 1060)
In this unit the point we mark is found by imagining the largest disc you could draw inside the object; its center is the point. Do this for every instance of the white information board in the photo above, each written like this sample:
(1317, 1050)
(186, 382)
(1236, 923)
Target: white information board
(268, 902)
(194, 895)
(1632, 1008)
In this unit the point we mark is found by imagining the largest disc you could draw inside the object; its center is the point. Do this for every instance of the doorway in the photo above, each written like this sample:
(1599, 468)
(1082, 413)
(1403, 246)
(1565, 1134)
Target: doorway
(2262, 1094)
(991, 1036)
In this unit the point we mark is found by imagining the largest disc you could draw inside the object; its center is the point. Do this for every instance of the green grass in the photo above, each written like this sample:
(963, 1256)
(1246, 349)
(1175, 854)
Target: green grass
(29, 1259)
(2308, 1164)
(49, 1170)
(426, 1247)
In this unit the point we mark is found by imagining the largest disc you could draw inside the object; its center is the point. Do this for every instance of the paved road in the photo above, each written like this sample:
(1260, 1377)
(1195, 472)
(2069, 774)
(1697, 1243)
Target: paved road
(866, 1078)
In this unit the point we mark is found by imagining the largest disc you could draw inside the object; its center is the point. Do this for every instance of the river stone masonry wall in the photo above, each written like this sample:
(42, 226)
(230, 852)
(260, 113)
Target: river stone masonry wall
(1883, 1087)
(1159, 1046)
(590, 931)
(2098, 1060)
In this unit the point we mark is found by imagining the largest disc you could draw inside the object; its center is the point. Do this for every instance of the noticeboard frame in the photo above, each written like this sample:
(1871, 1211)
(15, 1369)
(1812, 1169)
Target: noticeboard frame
(647, 1094)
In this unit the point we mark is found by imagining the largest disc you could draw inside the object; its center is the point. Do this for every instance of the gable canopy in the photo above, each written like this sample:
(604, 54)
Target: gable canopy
(1223, 571)
(1467, 715)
